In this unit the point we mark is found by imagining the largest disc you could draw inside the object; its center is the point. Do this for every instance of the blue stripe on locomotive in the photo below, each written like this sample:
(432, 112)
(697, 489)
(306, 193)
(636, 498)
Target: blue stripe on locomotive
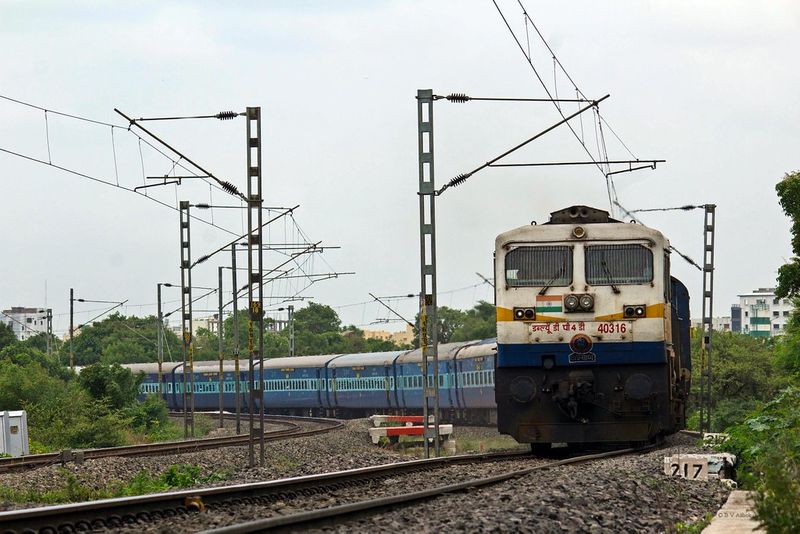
(527, 355)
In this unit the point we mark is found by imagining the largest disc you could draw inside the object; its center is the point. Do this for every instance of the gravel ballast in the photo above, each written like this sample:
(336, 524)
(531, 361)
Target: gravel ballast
(345, 448)
(625, 494)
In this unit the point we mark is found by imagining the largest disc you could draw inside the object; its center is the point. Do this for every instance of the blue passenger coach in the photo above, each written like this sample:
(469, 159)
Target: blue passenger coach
(343, 385)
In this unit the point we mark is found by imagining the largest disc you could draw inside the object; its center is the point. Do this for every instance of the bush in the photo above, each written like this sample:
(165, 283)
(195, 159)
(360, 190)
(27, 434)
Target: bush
(113, 384)
(768, 446)
(149, 415)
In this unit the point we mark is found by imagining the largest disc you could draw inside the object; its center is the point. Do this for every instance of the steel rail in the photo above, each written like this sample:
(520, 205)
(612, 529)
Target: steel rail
(113, 513)
(304, 519)
(292, 430)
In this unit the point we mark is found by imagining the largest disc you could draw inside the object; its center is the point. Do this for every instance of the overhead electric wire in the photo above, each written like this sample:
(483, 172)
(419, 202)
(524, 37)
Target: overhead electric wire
(23, 325)
(205, 257)
(671, 247)
(461, 178)
(536, 73)
(102, 123)
(610, 185)
(101, 314)
(110, 184)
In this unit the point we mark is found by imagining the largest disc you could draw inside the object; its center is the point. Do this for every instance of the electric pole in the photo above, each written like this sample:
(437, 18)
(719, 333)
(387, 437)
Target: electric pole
(221, 357)
(186, 321)
(290, 308)
(428, 325)
(160, 344)
(255, 270)
(237, 376)
(71, 327)
(49, 332)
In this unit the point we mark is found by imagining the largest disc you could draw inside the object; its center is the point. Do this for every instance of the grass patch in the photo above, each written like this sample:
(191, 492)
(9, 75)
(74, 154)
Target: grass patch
(176, 476)
(285, 462)
(693, 527)
(477, 445)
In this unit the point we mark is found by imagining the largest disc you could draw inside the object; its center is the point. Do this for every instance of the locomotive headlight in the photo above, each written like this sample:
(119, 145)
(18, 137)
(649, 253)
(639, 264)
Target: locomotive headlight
(634, 311)
(571, 303)
(586, 302)
(524, 314)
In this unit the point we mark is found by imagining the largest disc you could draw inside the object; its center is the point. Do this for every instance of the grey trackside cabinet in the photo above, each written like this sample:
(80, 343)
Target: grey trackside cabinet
(14, 433)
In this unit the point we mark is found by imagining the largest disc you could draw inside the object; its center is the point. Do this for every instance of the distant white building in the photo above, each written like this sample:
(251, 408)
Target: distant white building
(25, 322)
(719, 324)
(209, 323)
(760, 314)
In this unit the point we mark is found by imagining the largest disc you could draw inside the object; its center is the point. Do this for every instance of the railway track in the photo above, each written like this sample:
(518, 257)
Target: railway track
(131, 511)
(291, 429)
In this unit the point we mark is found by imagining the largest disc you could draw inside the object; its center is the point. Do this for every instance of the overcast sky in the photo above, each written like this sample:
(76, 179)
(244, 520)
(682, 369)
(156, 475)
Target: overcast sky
(709, 86)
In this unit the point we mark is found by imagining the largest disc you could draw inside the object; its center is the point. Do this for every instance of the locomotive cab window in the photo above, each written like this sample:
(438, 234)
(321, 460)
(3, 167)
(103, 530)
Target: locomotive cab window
(539, 266)
(618, 264)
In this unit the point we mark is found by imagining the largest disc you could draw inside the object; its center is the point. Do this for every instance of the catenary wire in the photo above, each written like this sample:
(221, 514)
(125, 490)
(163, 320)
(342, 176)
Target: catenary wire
(110, 184)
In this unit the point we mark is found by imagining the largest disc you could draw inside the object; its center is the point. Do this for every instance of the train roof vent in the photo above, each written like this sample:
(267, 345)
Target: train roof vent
(580, 214)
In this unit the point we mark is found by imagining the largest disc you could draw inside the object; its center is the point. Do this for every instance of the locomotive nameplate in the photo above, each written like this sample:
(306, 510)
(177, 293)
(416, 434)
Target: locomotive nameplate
(582, 358)
(563, 331)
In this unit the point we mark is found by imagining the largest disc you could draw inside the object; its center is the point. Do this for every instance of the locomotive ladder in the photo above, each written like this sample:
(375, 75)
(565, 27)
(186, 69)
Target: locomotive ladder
(186, 321)
(255, 268)
(428, 326)
(707, 325)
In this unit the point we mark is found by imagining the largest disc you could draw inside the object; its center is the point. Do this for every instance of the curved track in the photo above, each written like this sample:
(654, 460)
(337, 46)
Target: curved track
(115, 513)
(291, 430)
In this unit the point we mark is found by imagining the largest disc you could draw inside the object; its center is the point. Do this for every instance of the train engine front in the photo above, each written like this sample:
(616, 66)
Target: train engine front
(585, 352)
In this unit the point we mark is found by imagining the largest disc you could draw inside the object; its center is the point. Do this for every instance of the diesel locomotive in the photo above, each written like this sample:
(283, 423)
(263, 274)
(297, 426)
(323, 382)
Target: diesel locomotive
(592, 332)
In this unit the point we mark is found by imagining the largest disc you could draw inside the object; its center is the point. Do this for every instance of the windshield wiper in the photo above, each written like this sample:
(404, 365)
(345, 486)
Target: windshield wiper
(609, 278)
(553, 279)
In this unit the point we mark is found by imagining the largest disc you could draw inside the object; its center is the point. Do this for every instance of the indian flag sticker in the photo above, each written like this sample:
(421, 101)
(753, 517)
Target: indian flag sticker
(548, 303)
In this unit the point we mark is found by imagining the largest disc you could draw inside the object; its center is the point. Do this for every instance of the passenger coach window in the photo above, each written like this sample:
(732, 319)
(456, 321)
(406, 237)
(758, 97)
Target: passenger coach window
(539, 266)
(618, 264)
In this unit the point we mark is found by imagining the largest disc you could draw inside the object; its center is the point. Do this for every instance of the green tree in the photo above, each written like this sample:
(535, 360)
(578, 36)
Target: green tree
(39, 342)
(787, 349)
(745, 375)
(317, 319)
(7, 336)
(112, 384)
(24, 354)
(120, 339)
(788, 190)
(26, 382)
(480, 322)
